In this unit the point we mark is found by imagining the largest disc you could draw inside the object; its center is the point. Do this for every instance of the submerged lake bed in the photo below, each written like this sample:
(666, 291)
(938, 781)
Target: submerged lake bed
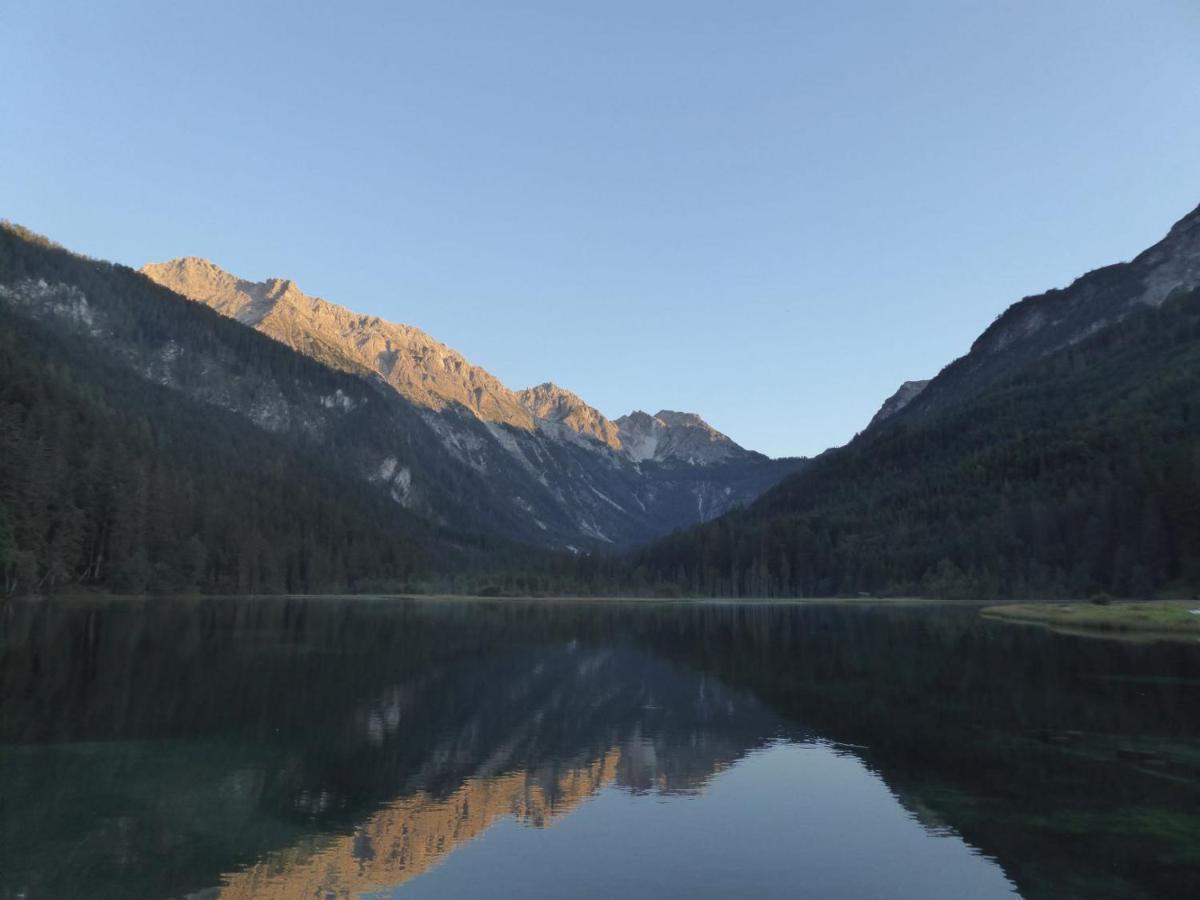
(341, 746)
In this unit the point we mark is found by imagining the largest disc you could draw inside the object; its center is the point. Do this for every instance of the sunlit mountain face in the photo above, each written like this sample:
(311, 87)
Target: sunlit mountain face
(307, 747)
(579, 478)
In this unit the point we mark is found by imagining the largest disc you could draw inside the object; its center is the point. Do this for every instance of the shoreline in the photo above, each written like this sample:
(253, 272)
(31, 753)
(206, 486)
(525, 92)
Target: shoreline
(1128, 619)
(102, 596)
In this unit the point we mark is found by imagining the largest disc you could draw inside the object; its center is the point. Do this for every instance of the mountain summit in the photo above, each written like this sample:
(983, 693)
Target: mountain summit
(550, 403)
(905, 394)
(669, 435)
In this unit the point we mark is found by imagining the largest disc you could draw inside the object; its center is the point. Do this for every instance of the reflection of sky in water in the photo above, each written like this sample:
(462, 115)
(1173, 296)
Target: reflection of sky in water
(284, 748)
(790, 820)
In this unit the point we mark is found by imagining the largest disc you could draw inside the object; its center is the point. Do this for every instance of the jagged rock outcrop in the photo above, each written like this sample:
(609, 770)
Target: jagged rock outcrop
(904, 395)
(423, 370)
(669, 436)
(550, 403)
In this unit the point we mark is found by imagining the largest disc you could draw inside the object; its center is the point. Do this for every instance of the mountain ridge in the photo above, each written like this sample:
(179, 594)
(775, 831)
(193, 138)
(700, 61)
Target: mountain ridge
(1059, 457)
(676, 435)
(417, 365)
(1041, 324)
(550, 403)
(468, 493)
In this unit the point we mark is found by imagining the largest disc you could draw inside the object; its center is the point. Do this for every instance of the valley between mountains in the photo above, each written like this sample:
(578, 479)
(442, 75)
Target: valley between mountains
(565, 475)
(180, 428)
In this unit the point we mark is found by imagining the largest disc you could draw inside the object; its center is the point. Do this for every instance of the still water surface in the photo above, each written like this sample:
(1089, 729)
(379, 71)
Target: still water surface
(341, 747)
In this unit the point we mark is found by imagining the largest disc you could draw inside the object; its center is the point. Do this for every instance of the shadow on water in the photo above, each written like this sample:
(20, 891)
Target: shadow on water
(278, 747)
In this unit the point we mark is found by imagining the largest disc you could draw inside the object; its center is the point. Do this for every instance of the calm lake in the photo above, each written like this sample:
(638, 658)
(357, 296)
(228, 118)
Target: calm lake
(339, 747)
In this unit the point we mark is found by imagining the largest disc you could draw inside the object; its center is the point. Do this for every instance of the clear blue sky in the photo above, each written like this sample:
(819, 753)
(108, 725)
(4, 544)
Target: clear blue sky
(770, 213)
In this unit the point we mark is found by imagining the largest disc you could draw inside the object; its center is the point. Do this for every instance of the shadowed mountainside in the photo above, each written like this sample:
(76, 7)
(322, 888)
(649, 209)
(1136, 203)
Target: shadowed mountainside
(1060, 457)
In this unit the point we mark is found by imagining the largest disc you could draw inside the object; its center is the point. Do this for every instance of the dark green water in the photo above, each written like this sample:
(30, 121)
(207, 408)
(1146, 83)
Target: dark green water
(342, 747)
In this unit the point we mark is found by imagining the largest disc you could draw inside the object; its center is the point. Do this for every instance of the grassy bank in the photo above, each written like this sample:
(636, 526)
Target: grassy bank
(1148, 617)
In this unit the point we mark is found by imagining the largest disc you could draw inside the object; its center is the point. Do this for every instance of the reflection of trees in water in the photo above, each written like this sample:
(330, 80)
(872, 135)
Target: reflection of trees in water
(1074, 761)
(348, 718)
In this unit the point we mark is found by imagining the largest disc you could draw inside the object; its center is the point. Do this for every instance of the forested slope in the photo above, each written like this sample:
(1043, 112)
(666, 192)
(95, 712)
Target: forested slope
(109, 480)
(1080, 474)
(146, 443)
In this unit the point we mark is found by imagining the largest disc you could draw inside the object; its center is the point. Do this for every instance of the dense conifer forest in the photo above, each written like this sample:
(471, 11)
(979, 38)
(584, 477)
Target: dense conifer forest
(1080, 476)
(113, 481)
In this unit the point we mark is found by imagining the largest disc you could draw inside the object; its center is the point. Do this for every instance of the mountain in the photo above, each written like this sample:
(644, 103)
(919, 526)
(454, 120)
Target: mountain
(675, 436)
(576, 479)
(548, 403)
(428, 373)
(1059, 457)
(150, 443)
(1039, 326)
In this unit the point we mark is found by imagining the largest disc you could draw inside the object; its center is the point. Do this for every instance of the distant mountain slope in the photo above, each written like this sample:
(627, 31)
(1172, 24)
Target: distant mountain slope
(683, 437)
(550, 403)
(421, 369)
(1041, 325)
(1060, 457)
(360, 428)
(112, 476)
(576, 478)
(342, 439)
(427, 372)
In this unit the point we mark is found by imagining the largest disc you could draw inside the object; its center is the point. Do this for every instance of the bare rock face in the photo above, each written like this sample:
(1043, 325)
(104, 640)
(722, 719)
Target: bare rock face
(1173, 263)
(198, 279)
(423, 370)
(430, 374)
(543, 464)
(550, 403)
(906, 393)
(1058, 318)
(675, 436)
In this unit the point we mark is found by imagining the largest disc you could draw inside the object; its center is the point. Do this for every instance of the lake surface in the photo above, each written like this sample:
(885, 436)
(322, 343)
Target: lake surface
(341, 747)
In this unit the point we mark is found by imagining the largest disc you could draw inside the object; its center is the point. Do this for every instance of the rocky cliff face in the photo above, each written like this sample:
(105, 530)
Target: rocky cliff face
(422, 370)
(671, 436)
(548, 403)
(573, 477)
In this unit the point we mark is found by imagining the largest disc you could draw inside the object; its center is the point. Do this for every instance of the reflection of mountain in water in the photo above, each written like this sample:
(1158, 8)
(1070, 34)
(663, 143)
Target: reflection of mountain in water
(412, 834)
(573, 719)
(345, 747)
(290, 747)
